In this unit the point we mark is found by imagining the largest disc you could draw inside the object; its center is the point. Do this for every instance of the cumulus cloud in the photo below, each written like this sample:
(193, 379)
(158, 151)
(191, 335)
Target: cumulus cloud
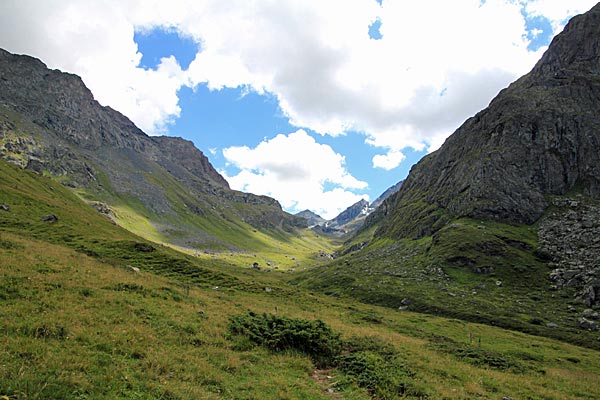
(388, 161)
(326, 72)
(298, 171)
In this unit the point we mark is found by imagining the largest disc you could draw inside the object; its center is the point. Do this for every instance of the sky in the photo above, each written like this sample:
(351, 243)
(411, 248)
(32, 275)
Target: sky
(316, 103)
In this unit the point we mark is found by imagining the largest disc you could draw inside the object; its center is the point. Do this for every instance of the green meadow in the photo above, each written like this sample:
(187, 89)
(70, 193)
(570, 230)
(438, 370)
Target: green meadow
(90, 310)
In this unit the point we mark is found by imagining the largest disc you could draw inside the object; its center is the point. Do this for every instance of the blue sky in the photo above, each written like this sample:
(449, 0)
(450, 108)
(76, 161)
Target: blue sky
(218, 119)
(290, 99)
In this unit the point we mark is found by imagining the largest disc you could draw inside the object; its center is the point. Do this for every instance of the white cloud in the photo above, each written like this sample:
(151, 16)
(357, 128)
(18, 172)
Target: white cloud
(558, 11)
(326, 72)
(388, 161)
(298, 171)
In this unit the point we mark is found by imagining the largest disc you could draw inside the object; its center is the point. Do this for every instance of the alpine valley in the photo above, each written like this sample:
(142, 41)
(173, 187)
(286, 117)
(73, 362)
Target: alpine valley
(129, 269)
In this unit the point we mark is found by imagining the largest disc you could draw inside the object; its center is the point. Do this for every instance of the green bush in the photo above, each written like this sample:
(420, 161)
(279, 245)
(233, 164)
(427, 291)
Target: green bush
(365, 361)
(376, 366)
(313, 338)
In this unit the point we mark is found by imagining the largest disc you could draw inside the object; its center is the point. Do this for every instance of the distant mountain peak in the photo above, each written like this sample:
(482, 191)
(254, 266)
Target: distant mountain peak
(312, 218)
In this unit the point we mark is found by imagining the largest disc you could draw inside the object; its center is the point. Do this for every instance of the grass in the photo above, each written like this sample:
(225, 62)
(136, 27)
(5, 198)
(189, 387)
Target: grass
(480, 271)
(80, 328)
(80, 323)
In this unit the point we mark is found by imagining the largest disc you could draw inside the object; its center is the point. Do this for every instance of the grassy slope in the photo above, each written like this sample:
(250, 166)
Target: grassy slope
(474, 270)
(79, 323)
(218, 228)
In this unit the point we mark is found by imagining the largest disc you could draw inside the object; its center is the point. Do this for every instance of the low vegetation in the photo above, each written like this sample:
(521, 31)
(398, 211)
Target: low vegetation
(480, 271)
(91, 311)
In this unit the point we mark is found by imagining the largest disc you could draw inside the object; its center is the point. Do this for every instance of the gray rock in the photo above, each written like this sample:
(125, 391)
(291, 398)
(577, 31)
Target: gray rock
(590, 293)
(590, 314)
(585, 323)
(50, 218)
(4, 207)
(551, 325)
(133, 269)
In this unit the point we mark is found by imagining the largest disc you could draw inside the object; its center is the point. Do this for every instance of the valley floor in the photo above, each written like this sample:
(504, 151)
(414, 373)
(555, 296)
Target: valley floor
(91, 311)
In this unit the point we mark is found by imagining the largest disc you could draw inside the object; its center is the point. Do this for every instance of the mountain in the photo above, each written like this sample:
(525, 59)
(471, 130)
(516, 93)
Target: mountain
(311, 218)
(538, 138)
(346, 222)
(163, 188)
(85, 297)
(500, 225)
(351, 219)
(389, 191)
(360, 208)
(92, 310)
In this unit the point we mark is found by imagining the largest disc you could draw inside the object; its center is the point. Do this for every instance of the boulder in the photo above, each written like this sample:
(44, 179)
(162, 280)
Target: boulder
(50, 218)
(585, 323)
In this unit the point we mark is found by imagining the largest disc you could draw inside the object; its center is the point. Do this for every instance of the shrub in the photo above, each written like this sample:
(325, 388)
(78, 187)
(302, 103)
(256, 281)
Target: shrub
(313, 338)
(365, 361)
(384, 379)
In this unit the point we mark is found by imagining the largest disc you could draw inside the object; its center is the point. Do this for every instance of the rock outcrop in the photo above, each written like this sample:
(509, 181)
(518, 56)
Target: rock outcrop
(570, 236)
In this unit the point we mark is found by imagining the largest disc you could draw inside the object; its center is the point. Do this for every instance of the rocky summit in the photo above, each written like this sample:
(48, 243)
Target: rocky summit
(538, 137)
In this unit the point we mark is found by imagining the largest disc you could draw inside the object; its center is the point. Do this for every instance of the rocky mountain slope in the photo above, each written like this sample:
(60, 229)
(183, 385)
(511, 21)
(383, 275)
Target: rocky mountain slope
(389, 191)
(311, 218)
(161, 187)
(500, 224)
(538, 137)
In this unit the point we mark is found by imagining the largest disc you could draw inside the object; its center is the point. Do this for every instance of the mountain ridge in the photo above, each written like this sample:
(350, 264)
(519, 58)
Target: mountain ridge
(50, 123)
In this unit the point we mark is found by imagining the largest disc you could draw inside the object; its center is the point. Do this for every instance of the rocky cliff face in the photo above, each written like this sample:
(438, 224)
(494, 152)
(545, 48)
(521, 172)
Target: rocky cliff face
(538, 137)
(50, 123)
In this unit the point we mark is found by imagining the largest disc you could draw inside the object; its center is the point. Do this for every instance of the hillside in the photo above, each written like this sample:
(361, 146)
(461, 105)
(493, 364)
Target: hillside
(92, 311)
(500, 225)
(162, 188)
